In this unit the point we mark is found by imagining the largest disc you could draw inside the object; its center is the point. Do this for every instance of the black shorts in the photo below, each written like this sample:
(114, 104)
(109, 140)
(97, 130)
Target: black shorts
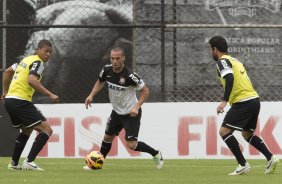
(23, 113)
(130, 124)
(243, 116)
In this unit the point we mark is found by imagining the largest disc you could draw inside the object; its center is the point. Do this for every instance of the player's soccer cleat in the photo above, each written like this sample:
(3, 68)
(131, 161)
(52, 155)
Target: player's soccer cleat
(241, 170)
(14, 167)
(159, 160)
(86, 168)
(271, 165)
(31, 166)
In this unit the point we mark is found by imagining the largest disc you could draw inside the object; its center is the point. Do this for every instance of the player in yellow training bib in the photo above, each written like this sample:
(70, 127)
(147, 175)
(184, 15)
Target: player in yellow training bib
(19, 83)
(245, 106)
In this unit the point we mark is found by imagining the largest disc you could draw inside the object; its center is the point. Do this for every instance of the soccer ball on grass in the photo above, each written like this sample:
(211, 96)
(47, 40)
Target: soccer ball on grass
(94, 160)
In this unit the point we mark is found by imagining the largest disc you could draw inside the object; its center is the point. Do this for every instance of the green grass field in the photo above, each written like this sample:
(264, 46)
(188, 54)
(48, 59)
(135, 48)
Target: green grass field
(138, 171)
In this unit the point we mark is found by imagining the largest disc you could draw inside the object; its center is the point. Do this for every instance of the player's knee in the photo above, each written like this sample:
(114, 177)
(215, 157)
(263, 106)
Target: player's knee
(223, 131)
(131, 144)
(247, 135)
(26, 131)
(47, 129)
(50, 131)
(108, 138)
(221, 134)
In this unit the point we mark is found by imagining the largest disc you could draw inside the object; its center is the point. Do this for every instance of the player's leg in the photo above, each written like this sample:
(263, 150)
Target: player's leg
(257, 142)
(233, 145)
(13, 107)
(105, 147)
(33, 119)
(113, 128)
(143, 147)
(132, 126)
(235, 120)
(106, 144)
(45, 131)
(249, 129)
(18, 148)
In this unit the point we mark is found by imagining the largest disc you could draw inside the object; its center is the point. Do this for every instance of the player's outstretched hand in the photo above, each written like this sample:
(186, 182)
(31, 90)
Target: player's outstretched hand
(3, 97)
(54, 98)
(134, 111)
(220, 108)
(88, 101)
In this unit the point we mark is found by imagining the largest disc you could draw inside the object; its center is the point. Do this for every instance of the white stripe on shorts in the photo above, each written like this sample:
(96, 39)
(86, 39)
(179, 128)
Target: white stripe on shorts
(234, 127)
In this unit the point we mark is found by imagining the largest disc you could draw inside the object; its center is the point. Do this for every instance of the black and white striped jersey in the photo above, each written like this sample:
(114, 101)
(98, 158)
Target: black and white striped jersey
(122, 88)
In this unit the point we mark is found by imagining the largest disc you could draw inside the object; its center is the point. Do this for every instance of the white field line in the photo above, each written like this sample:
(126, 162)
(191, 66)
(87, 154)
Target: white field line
(149, 165)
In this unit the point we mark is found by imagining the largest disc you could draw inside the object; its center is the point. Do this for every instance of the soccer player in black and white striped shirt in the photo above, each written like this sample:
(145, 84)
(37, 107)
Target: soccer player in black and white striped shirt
(126, 114)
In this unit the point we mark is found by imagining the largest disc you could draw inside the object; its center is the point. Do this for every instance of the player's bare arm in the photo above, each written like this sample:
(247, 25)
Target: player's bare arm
(144, 94)
(97, 87)
(7, 77)
(34, 82)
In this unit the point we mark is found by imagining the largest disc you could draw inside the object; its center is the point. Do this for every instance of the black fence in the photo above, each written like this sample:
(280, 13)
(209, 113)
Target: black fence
(166, 42)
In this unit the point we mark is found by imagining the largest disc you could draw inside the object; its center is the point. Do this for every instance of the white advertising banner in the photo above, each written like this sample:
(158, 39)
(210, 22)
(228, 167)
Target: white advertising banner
(181, 130)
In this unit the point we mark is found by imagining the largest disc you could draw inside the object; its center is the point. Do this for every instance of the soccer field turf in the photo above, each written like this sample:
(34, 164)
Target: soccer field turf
(138, 171)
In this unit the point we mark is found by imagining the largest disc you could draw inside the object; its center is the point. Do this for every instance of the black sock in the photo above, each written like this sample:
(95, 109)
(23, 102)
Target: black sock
(37, 146)
(19, 147)
(143, 147)
(256, 142)
(233, 145)
(105, 148)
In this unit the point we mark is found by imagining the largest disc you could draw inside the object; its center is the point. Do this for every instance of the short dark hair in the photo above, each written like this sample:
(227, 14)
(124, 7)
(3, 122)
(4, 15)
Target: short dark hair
(117, 48)
(43, 43)
(220, 43)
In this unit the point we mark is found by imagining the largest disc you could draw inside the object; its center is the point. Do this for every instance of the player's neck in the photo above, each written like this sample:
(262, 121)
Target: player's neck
(219, 55)
(118, 70)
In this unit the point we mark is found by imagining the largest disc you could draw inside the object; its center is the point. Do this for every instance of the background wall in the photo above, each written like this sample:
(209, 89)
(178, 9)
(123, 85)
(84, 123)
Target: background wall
(180, 130)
